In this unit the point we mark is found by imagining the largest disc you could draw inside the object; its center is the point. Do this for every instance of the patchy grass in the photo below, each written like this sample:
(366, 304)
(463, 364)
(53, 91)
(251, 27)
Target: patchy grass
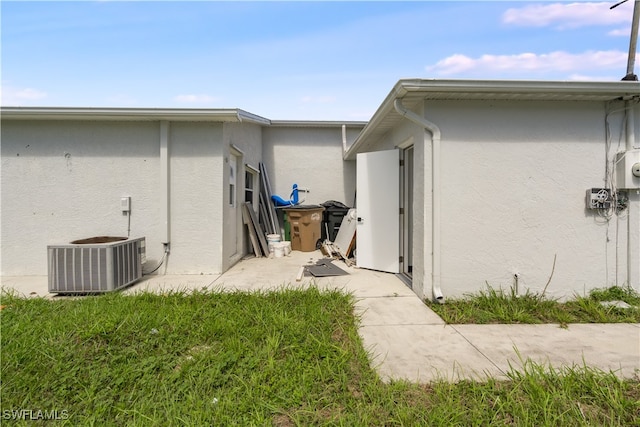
(497, 306)
(283, 358)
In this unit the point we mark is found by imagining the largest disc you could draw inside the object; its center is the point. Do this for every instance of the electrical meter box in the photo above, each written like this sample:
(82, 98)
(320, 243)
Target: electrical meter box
(628, 170)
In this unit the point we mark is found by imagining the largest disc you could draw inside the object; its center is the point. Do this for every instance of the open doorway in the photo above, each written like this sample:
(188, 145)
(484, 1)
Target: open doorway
(406, 215)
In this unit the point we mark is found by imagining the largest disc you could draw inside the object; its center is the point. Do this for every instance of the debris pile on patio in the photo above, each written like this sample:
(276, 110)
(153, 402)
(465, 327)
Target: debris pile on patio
(265, 221)
(330, 227)
(345, 241)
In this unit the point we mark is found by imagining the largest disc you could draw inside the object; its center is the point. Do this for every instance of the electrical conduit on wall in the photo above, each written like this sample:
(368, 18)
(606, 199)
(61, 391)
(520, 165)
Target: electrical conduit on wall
(435, 177)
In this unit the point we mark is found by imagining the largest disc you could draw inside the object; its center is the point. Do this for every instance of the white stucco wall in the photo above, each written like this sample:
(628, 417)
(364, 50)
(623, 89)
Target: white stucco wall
(63, 181)
(514, 182)
(196, 192)
(312, 158)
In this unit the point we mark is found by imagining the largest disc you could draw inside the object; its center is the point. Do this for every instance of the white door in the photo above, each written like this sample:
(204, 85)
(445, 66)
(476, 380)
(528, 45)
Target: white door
(378, 207)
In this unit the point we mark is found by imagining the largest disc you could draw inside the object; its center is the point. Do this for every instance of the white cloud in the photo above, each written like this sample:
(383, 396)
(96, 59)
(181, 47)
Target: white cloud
(196, 99)
(568, 15)
(620, 32)
(526, 64)
(20, 96)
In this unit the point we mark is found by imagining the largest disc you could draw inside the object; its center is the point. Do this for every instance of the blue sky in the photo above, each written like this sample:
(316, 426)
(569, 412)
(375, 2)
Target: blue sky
(294, 60)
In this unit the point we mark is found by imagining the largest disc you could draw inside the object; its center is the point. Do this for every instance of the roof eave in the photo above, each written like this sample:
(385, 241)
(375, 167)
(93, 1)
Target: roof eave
(130, 114)
(523, 86)
(404, 87)
(317, 123)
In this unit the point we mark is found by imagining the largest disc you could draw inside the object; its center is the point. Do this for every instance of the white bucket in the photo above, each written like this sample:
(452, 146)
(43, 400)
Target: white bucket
(272, 239)
(287, 247)
(278, 249)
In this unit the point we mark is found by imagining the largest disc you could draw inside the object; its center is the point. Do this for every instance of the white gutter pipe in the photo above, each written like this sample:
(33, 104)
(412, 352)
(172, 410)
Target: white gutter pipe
(165, 183)
(633, 217)
(344, 139)
(630, 125)
(435, 207)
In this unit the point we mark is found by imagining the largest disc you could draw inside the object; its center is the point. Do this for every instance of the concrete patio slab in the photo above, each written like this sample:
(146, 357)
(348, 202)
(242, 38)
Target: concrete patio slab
(172, 283)
(273, 273)
(27, 286)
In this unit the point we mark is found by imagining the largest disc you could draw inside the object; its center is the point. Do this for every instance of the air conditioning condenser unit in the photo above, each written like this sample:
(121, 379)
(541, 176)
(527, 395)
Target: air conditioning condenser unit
(94, 265)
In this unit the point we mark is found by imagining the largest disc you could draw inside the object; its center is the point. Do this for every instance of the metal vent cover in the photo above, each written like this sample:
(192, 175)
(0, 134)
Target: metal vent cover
(94, 267)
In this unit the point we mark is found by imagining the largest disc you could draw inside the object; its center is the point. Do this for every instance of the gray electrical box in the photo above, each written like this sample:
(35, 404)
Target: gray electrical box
(598, 198)
(627, 164)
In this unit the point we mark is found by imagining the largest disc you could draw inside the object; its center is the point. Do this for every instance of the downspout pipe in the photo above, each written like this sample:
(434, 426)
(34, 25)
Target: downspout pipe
(165, 184)
(344, 138)
(434, 131)
(630, 125)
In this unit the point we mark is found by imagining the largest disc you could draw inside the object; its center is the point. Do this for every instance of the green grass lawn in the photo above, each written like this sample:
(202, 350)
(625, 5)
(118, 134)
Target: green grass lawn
(498, 306)
(291, 357)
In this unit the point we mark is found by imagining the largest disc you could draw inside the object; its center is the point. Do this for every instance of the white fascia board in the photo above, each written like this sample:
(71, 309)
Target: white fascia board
(137, 114)
(317, 123)
(609, 89)
(245, 116)
(396, 92)
(495, 89)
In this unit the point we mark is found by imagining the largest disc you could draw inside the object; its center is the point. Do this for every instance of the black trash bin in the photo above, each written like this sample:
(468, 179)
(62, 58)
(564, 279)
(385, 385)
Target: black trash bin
(332, 217)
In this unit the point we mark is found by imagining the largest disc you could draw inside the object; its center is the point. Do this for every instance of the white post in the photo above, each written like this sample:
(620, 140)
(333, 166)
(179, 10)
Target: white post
(633, 42)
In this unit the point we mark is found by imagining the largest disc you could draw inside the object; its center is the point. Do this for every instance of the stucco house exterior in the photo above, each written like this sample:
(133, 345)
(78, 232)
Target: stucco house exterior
(495, 182)
(457, 184)
(186, 172)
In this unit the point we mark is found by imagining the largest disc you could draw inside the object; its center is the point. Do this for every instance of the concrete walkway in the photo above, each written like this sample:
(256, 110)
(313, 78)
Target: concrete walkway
(405, 338)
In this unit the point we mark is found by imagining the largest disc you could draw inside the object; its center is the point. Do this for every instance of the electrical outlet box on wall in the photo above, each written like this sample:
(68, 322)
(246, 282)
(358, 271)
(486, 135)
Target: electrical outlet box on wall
(125, 204)
(598, 198)
(627, 164)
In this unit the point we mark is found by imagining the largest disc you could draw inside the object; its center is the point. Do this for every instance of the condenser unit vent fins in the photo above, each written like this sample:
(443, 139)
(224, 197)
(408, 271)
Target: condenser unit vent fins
(94, 267)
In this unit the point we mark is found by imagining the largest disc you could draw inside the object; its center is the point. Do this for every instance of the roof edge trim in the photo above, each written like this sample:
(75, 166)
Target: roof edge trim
(403, 87)
(317, 123)
(145, 114)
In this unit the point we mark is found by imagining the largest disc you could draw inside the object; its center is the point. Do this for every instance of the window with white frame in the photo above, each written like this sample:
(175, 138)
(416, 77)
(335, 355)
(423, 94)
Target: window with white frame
(251, 185)
(233, 166)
